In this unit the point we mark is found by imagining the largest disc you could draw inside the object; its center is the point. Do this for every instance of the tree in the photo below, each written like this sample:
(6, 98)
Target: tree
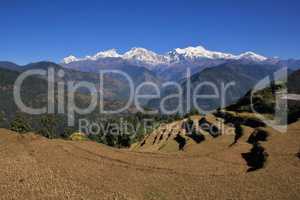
(48, 123)
(110, 139)
(177, 116)
(194, 111)
(124, 140)
(238, 132)
(181, 141)
(257, 136)
(67, 132)
(1, 118)
(20, 125)
(188, 125)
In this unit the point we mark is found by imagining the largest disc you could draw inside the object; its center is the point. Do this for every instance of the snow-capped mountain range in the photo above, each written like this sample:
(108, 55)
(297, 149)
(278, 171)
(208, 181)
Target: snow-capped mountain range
(169, 66)
(150, 58)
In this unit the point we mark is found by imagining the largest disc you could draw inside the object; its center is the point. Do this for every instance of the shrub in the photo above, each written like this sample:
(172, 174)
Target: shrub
(20, 125)
(67, 132)
(238, 132)
(48, 126)
(188, 125)
(293, 114)
(197, 137)
(257, 136)
(124, 141)
(245, 120)
(181, 141)
(96, 137)
(110, 139)
(254, 122)
(1, 118)
(203, 121)
(193, 112)
(214, 131)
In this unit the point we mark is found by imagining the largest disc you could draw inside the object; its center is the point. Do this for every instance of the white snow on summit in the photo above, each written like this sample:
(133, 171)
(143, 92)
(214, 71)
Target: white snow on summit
(150, 58)
(146, 56)
(70, 59)
(111, 53)
(252, 56)
(198, 52)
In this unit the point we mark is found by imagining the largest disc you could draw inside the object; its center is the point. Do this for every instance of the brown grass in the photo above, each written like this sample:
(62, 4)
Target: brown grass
(32, 167)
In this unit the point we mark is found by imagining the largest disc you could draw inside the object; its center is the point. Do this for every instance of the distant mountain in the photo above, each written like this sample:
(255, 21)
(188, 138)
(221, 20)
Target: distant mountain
(118, 85)
(34, 93)
(135, 56)
(199, 52)
(151, 58)
(264, 100)
(9, 65)
(116, 88)
(143, 65)
(292, 64)
(169, 66)
(243, 75)
(34, 87)
(294, 83)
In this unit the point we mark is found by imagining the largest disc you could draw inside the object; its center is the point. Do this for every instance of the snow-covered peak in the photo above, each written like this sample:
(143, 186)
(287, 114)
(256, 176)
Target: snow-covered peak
(138, 52)
(252, 56)
(70, 59)
(191, 50)
(111, 53)
(144, 55)
(198, 52)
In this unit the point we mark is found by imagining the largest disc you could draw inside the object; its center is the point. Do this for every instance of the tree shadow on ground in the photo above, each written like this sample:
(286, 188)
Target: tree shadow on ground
(161, 137)
(169, 135)
(212, 129)
(181, 141)
(238, 133)
(197, 137)
(143, 143)
(154, 140)
(256, 158)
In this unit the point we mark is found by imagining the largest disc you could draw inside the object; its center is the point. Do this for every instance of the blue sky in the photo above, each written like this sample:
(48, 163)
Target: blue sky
(50, 30)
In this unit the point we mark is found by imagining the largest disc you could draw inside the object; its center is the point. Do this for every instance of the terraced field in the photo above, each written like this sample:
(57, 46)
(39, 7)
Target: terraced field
(32, 167)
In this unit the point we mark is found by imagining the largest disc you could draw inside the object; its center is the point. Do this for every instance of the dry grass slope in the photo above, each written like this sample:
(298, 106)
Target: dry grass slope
(32, 167)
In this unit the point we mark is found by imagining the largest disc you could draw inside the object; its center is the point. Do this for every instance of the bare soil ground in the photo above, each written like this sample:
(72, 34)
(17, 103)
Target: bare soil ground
(32, 167)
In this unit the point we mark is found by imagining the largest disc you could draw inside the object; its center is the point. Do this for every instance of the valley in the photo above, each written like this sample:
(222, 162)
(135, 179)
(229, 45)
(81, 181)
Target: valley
(226, 153)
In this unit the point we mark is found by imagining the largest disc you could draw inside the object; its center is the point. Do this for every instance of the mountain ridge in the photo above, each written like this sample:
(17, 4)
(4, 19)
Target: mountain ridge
(151, 58)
